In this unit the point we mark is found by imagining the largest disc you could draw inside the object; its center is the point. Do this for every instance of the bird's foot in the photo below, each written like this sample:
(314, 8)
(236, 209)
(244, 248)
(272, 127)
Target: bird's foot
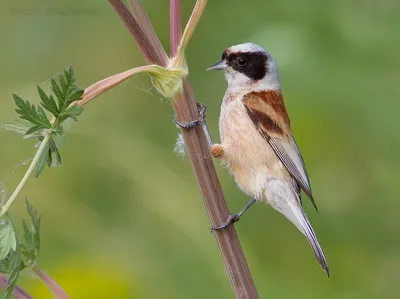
(195, 123)
(233, 218)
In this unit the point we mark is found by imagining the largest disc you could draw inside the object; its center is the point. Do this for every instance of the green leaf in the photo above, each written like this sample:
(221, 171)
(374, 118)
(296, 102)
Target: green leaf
(14, 268)
(42, 161)
(27, 245)
(71, 112)
(50, 156)
(53, 154)
(8, 240)
(13, 262)
(57, 92)
(35, 219)
(48, 102)
(31, 244)
(35, 115)
(64, 85)
(4, 264)
(61, 106)
(77, 94)
(33, 130)
(67, 93)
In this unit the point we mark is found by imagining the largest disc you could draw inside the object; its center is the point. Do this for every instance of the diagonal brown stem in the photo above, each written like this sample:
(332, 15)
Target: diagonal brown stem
(186, 110)
(144, 22)
(147, 40)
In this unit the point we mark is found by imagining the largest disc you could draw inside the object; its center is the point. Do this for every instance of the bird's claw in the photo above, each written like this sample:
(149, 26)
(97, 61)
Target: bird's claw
(195, 123)
(233, 218)
(189, 124)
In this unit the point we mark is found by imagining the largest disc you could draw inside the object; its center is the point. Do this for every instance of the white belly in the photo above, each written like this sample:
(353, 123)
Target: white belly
(248, 155)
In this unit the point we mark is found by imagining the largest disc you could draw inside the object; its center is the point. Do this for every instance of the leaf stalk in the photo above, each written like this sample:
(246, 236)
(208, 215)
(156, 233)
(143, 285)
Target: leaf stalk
(53, 286)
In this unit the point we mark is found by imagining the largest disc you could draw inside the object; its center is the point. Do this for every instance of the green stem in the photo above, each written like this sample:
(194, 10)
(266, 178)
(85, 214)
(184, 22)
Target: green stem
(191, 25)
(46, 135)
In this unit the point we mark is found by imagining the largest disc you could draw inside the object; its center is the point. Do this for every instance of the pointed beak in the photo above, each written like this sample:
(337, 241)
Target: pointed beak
(222, 65)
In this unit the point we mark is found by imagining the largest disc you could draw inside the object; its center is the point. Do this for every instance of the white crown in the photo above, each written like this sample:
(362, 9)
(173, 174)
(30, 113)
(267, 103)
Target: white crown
(247, 47)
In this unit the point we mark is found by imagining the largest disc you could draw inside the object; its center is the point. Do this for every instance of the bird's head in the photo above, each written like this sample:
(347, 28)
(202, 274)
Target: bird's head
(249, 65)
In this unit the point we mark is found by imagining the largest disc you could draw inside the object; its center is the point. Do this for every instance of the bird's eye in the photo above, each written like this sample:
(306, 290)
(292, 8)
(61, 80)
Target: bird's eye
(242, 61)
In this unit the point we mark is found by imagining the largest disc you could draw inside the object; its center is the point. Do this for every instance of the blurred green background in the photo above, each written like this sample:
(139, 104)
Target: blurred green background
(122, 216)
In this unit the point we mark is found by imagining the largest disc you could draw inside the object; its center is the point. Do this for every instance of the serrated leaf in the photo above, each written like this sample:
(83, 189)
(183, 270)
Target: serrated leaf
(8, 240)
(70, 75)
(53, 153)
(42, 115)
(27, 248)
(66, 92)
(67, 89)
(48, 102)
(33, 129)
(42, 161)
(31, 245)
(34, 115)
(18, 101)
(71, 112)
(35, 219)
(77, 94)
(57, 92)
(14, 268)
(64, 86)
(28, 236)
(4, 264)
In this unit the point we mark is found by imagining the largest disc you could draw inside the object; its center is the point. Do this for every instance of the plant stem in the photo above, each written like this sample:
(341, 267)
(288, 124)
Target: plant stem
(43, 144)
(144, 23)
(197, 146)
(145, 38)
(54, 287)
(175, 26)
(190, 26)
(207, 179)
(106, 84)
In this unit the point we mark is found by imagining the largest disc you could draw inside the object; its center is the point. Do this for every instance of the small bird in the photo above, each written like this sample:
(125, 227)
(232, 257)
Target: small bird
(257, 143)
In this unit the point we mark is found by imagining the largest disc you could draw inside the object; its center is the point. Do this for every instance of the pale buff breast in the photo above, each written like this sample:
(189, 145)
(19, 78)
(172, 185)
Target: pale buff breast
(248, 155)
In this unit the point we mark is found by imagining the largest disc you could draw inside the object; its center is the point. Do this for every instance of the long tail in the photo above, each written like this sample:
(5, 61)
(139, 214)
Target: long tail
(302, 223)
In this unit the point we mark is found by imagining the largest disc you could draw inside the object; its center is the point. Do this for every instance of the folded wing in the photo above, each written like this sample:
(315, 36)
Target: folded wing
(268, 113)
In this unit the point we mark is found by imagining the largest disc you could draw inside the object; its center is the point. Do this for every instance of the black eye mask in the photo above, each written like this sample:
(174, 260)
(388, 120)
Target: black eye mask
(253, 65)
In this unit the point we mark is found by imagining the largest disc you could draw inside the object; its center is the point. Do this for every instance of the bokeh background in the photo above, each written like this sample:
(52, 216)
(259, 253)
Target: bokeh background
(122, 216)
